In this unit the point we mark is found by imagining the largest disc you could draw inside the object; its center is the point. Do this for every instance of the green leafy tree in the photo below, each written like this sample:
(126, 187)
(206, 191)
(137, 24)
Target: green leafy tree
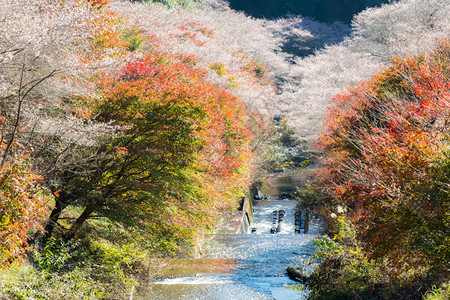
(178, 145)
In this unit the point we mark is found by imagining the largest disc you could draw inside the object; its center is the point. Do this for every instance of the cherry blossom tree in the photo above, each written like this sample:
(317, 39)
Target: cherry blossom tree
(46, 54)
(402, 28)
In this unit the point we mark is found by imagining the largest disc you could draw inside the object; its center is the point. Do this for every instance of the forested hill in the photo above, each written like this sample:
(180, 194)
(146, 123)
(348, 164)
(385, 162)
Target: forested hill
(322, 10)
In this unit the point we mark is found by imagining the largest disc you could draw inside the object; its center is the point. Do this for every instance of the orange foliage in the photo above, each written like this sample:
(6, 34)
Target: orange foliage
(386, 146)
(22, 208)
(220, 138)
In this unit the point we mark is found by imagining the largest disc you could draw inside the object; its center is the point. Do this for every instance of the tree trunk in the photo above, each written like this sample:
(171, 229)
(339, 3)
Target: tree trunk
(60, 205)
(80, 221)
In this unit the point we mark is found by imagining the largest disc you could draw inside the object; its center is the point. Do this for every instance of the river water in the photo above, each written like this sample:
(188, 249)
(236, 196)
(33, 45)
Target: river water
(243, 266)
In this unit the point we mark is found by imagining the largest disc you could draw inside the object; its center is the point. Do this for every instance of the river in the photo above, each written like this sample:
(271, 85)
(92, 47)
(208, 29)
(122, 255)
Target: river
(243, 266)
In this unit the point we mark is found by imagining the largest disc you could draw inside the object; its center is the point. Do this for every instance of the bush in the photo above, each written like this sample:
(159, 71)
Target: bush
(97, 269)
(27, 282)
(346, 271)
(438, 293)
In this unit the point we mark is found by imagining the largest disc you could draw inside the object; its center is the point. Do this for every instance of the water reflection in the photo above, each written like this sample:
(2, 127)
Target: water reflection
(197, 266)
(242, 266)
(275, 184)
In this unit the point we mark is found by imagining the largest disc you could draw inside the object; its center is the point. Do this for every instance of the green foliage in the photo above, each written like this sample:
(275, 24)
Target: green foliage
(93, 268)
(326, 246)
(171, 3)
(256, 68)
(179, 154)
(344, 240)
(310, 197)
(22, 281)
(133, 37)
(56, 256)
(272, 157)
(287, 134)
(118, 256)
(344, 271)
(298, 287)
(116, 264)
(283, 151)
(438, 293)
(347, 271)
(219, 68)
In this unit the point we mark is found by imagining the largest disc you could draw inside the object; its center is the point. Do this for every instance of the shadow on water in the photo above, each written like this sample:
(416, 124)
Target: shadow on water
(276, 184)
(243, 266)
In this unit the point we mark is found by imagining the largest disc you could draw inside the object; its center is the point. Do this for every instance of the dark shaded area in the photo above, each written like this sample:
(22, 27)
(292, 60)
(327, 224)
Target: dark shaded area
(321, 35)
(321, 10)
(297, 274)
